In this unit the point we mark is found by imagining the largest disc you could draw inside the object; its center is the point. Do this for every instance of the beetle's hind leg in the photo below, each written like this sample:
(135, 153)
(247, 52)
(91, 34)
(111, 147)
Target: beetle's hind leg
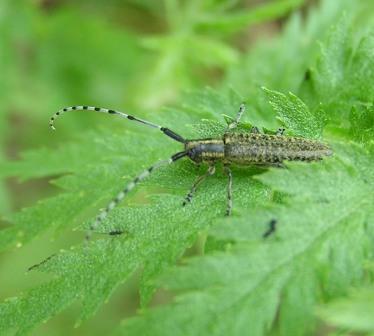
(228, 172)
(211, 170)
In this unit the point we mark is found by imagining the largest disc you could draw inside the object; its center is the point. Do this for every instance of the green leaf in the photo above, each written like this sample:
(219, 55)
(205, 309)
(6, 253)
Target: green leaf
(354, 313)
(239, 290)
(149, 242)
(229, 23)
(195, 49)
(344, 71)
(239, 283)
(294, 114)
(285, 63)
(362, 121)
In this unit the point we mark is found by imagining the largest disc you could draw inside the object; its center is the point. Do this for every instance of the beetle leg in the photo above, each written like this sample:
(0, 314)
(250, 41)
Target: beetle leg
(255, 130)
(211, 170)
(227, 170)
(123, 193)
(235, 123)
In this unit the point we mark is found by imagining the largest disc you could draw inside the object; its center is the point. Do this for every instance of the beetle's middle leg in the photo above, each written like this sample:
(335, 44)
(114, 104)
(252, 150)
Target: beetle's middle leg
(211, 170)
(235, 123)
(227, 171)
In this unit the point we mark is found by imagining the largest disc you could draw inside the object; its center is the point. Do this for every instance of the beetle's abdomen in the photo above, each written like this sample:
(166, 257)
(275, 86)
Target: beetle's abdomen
(253, 148)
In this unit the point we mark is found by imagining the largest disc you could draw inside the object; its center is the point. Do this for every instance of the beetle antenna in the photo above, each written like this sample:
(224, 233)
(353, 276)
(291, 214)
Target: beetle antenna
(164, 130)
(104, 213)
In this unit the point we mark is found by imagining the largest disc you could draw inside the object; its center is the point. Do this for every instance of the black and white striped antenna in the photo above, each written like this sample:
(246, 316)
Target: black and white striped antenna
(164, 130)
(104, 213)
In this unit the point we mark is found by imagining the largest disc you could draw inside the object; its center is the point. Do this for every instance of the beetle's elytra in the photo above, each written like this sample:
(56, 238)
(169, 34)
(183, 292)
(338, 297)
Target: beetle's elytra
(253, 148)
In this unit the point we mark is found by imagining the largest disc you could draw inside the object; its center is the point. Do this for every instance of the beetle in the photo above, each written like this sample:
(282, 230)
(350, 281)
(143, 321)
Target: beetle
(239, 148)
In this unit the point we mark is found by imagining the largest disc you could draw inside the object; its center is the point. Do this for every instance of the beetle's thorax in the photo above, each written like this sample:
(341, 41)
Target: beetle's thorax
(205, 150)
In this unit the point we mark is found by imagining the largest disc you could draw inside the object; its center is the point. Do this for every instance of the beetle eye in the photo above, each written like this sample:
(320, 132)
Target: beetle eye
(192, 153)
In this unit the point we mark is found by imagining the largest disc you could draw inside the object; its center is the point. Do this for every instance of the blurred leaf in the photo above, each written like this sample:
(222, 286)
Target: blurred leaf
(195, 49)
(194, 45)
(55, 60)
(355, 312)
(233, 22)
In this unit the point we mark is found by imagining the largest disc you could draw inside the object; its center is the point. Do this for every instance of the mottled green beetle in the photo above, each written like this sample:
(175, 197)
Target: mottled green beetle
(253, 148)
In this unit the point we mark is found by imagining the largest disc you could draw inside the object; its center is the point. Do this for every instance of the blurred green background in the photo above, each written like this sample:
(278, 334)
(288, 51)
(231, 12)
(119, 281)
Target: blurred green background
(136, 56)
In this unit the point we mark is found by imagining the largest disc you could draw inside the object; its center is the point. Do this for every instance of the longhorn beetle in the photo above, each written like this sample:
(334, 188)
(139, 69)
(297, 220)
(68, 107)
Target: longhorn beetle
(252, 148)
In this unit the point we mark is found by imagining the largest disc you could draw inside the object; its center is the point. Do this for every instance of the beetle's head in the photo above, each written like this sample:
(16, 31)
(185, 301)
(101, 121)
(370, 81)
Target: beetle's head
(194, 150)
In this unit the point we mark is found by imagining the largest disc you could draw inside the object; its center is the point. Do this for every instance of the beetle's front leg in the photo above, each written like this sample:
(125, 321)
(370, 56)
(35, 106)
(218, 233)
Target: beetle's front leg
(211, 170)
